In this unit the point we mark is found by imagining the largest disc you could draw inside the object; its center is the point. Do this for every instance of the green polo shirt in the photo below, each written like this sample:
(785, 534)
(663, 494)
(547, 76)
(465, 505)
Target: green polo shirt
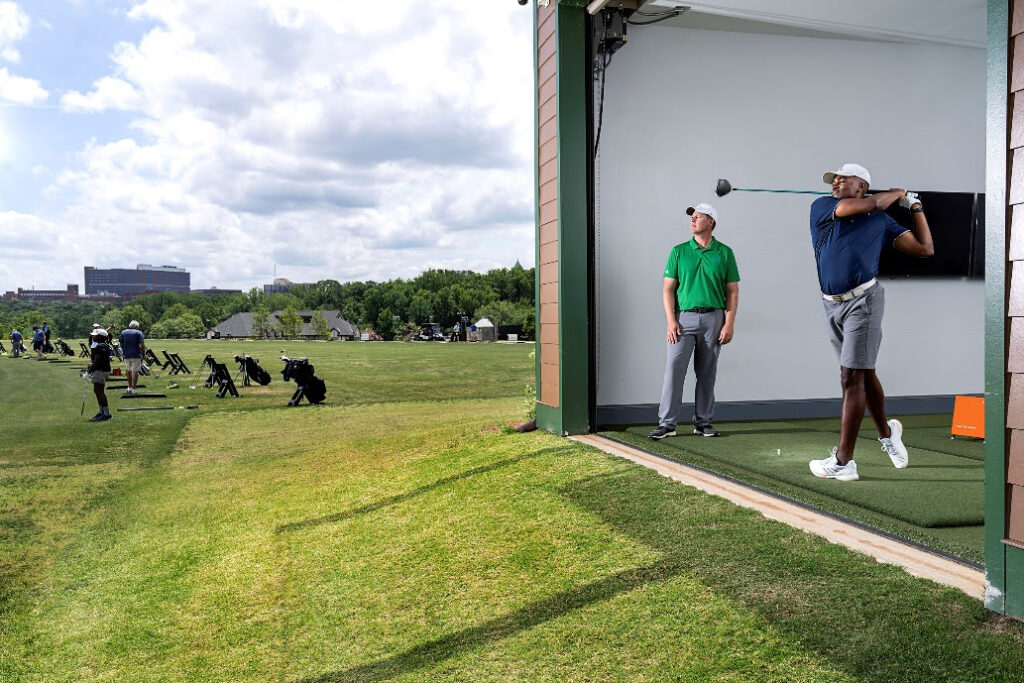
(701, 273)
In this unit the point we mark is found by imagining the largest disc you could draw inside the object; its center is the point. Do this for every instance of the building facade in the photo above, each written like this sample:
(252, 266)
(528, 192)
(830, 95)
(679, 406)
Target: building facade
(70, 294)
(129, 283)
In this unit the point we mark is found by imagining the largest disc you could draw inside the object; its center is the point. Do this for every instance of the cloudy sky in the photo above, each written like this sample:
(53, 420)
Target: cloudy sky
(333, 138)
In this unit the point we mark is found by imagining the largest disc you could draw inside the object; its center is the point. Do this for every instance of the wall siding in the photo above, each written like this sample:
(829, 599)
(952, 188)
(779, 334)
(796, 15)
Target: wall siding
(1014, 527)
(547, 198)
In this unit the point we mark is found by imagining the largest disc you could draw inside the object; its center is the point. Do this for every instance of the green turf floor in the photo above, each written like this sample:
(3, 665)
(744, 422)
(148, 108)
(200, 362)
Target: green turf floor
(938, 500)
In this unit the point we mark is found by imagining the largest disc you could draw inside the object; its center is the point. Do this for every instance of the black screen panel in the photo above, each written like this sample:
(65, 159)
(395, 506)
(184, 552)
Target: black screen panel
(953, 222)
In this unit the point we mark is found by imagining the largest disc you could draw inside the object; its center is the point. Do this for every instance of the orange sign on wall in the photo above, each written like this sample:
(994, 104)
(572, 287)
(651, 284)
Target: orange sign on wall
(969, 417)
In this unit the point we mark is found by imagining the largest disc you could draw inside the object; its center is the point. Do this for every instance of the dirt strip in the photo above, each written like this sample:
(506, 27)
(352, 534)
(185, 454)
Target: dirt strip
(916, 562)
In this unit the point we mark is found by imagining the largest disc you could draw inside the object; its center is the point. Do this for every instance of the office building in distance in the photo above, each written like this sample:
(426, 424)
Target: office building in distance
(131, 283)
(282, 286)
(214, 291)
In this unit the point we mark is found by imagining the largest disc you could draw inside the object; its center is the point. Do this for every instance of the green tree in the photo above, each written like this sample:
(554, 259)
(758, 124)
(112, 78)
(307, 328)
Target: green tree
(123, 316)
(174, 311)
(261, 327)
(25, 321)
(530, 323)
(420, 308)
(385, 325)
(289, 324)
(406, 331)
(320, 327)
(500, 313)
(185, 326)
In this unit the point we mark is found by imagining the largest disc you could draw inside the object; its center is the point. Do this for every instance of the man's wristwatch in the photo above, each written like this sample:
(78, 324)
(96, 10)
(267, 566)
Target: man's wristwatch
(919, 209)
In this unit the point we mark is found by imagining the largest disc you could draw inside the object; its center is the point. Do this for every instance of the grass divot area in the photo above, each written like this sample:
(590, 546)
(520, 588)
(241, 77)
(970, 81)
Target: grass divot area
(420, 539)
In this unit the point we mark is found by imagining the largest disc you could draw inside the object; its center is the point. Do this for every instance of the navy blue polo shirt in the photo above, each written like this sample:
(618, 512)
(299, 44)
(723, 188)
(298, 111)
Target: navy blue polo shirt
(847, 249)
(16, 336)
(131, 341)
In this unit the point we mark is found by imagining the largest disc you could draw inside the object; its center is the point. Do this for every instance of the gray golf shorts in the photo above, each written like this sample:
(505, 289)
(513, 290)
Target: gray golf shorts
(98, 376)
(855, 328)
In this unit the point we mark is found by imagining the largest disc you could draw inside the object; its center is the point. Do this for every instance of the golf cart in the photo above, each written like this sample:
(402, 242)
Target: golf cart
(429, 332)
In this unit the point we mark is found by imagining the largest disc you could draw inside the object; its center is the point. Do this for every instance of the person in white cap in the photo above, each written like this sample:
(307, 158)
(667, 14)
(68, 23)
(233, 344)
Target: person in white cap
(99, 369)
(848, 231)
(700, 293)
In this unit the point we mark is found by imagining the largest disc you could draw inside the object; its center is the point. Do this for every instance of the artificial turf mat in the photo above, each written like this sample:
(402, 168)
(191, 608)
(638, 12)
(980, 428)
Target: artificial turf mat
(929, 432)
(938, 489)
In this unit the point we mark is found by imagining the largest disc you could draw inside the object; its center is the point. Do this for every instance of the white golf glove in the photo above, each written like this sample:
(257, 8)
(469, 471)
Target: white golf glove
(909, 200)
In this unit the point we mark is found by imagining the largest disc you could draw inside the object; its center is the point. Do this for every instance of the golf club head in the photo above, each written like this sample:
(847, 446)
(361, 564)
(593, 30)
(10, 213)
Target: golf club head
(723, 187)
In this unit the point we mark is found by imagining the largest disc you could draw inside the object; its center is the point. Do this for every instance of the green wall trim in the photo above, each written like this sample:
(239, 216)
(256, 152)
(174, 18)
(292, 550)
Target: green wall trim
(549, 419)
(1014, 594)
(573, 226)
(996, 557)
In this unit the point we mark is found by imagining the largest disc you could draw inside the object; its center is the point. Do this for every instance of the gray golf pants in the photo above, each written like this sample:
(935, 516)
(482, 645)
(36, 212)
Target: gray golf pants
(700, 340)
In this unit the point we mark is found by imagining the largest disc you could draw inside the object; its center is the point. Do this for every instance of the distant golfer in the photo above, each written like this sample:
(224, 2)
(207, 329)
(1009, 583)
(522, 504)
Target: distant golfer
(97, 326)
(133, 347)
(16, 343)
(848, 231)
(37, 341)
(46, 335)
(99, 369)
(700, 293)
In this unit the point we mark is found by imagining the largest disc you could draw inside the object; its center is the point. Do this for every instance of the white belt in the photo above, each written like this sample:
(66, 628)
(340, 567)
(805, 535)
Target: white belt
(852, 294)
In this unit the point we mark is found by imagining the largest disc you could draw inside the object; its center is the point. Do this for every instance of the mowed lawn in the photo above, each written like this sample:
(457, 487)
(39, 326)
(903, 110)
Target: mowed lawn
(401, 531)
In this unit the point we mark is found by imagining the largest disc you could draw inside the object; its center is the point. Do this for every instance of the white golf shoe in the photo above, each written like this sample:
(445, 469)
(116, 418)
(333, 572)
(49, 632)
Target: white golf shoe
(894, 447)
(829, 468)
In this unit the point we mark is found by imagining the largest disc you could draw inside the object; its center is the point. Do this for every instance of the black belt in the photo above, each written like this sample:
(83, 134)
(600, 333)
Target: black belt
(701, 310)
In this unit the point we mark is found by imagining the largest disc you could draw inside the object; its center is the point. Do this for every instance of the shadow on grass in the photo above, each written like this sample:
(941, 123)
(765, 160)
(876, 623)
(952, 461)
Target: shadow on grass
(556, 606)
(402, 497)
(871, 621)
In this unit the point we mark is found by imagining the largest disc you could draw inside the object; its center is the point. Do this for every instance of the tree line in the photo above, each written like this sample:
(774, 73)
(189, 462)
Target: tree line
(392, 308)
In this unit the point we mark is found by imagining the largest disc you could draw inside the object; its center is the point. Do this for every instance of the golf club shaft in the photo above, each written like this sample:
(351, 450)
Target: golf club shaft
(755, 189)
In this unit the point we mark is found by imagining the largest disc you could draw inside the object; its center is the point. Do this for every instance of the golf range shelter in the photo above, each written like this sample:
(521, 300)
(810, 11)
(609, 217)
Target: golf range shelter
(641, 105)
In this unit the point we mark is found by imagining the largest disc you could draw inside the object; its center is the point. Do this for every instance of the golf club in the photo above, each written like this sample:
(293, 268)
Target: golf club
(85, 393)
(724, 187)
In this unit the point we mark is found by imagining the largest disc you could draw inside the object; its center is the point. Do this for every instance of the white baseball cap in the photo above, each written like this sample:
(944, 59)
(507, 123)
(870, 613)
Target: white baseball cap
(849, 169)
(704, 208)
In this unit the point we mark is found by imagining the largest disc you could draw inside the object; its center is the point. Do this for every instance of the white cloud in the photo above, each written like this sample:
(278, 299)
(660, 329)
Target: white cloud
(20, 90)
(14, 25)
(334, 140)
(107, 93)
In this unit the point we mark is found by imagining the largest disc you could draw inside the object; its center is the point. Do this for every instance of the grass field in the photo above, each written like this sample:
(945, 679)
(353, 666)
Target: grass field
(401, 531)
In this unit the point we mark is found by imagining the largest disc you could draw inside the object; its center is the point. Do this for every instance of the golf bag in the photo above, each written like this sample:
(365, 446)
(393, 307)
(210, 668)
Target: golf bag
(208, 362)
(252, 369)
(310, 386)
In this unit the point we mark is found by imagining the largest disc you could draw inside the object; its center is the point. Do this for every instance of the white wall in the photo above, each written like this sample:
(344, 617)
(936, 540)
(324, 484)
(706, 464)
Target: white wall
(684, 107)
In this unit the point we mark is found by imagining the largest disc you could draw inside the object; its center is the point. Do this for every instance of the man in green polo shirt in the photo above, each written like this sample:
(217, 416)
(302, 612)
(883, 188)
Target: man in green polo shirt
(700, 294)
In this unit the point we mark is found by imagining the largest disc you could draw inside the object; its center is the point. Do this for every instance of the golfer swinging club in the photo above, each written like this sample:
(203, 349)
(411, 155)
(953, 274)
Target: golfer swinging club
(848, 231)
